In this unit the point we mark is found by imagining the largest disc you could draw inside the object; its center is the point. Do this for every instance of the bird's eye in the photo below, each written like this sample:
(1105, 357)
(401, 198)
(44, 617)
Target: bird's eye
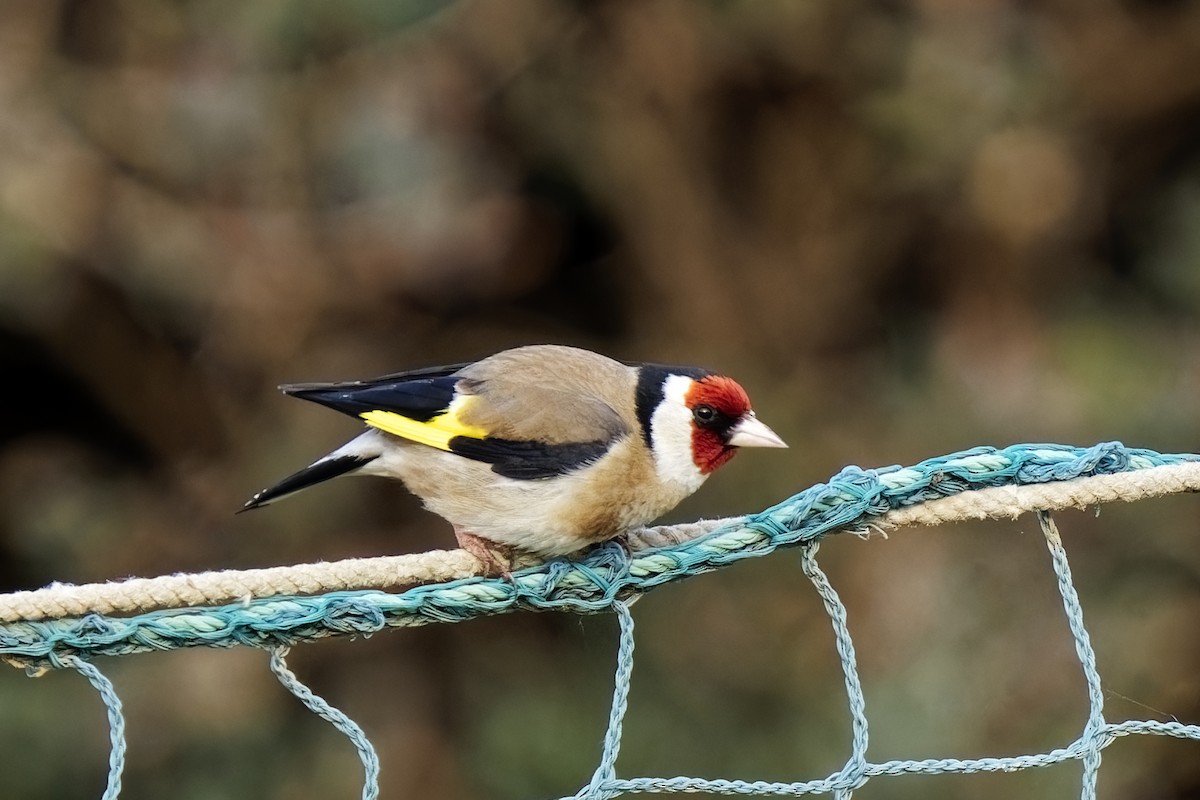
(704, 414)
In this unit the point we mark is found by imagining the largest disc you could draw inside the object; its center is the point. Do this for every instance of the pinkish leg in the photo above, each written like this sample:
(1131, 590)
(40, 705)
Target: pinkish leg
(496, 558)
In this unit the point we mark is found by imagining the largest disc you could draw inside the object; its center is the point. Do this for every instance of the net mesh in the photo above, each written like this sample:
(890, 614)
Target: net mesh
(43, 630)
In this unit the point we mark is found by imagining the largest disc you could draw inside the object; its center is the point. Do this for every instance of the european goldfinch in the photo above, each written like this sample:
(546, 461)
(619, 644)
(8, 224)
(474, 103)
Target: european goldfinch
(545, 448)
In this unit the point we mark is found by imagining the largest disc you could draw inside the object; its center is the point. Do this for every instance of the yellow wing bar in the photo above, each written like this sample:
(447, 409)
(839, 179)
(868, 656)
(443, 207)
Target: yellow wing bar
(437, 432)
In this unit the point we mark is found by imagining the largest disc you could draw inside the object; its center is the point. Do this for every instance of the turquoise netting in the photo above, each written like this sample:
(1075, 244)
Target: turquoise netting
(608, 579)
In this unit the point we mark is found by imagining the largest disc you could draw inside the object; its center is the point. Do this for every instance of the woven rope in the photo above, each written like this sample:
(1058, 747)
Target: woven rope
(338, 719)
(1000, 482)
(230, 586)
(1172, 474)
(976, 484)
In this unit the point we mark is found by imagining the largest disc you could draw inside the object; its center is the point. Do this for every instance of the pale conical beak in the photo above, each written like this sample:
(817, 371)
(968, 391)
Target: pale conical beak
(752, 433)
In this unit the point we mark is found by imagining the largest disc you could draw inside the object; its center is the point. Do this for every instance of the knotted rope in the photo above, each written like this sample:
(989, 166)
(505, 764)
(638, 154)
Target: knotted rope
(66, 626)
(268, 612)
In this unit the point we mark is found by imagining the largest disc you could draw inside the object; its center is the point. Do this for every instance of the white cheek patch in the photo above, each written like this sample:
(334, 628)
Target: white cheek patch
(671, 437)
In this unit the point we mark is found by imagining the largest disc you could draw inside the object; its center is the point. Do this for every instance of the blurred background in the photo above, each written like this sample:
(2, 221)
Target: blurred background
(906, 227)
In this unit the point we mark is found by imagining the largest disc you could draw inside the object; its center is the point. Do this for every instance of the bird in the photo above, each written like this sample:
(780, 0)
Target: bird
(544, 449)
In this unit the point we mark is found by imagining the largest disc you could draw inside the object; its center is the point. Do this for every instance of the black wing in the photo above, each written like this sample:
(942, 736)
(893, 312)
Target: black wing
(528, 460)
(419, 394)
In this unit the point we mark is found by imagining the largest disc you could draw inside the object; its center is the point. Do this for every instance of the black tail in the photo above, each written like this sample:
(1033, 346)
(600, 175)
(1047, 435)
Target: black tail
(322, 470)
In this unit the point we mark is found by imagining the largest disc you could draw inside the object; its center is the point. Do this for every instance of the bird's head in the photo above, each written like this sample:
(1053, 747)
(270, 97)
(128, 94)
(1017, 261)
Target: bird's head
(697, 421)
(723, 421)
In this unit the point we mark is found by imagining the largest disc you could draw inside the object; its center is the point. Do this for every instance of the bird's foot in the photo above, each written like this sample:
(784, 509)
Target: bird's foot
(497, 559)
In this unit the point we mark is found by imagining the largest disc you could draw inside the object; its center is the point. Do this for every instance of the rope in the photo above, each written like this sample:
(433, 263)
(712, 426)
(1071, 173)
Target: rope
(1093, 738)
(322, 708)
(858, 770)
(228, 586)
(116, 721)
(853, 774)
(606, 772)
(1010, 502)
(975, 484)
(1003, 483)
(1009, 481)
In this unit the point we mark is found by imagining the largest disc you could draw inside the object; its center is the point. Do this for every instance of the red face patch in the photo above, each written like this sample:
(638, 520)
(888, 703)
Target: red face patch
(710, 447)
